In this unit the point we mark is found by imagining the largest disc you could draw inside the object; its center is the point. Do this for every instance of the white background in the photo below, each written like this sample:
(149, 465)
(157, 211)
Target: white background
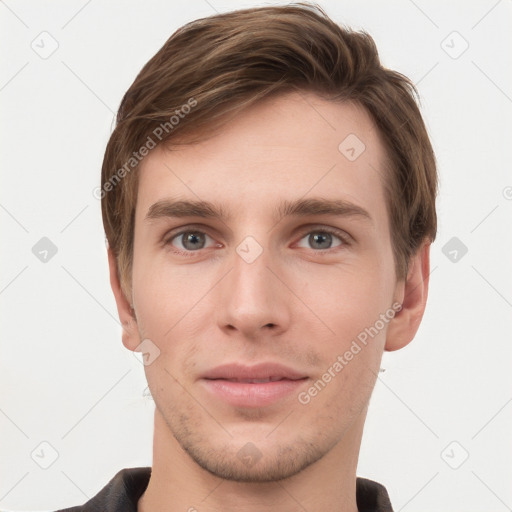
(65, 377)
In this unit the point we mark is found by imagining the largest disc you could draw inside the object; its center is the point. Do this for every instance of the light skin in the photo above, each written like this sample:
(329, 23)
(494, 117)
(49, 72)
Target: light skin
(300, 303)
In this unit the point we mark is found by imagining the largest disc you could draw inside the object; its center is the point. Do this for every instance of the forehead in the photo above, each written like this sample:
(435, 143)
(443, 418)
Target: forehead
(286, 147)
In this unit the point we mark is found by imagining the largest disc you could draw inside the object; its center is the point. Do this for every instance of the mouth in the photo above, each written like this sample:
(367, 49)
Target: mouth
(256, 381)
(252, 386)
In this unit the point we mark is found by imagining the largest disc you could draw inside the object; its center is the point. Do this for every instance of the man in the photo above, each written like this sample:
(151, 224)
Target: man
(268, 196)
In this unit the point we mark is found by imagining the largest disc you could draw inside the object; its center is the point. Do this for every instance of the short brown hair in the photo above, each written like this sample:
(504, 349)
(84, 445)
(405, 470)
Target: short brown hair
(214, 67)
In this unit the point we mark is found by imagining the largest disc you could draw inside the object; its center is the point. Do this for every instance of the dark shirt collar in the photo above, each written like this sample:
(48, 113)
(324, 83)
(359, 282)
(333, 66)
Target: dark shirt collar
(122, 493)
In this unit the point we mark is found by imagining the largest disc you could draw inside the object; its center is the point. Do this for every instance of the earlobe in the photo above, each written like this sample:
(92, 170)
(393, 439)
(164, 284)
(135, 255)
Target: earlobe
(405, 324)
(130, 336)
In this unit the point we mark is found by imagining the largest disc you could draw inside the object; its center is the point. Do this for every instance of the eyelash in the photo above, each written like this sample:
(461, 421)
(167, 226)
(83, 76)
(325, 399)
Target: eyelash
(341, 235)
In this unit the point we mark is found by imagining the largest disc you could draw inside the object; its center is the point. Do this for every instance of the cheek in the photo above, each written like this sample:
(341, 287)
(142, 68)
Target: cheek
(346, 299)
(173, 311)
(165, 296)
(351, 304)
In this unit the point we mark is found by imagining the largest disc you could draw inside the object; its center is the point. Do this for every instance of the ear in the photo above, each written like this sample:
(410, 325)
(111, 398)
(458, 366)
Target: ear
(130, 336)
(413, 294)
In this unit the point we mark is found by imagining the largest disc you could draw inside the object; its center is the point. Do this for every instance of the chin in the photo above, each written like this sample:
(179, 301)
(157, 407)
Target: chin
(251, 464)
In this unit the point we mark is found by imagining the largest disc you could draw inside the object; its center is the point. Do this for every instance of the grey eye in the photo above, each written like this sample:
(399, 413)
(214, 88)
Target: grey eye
(190, 240)
(320, 240)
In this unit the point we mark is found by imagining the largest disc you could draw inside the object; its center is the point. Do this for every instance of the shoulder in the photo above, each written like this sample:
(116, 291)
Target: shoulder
(120, 494)
(372, 496)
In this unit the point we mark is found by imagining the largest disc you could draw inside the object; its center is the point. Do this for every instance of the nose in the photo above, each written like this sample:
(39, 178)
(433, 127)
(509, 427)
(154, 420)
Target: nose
(252, 301)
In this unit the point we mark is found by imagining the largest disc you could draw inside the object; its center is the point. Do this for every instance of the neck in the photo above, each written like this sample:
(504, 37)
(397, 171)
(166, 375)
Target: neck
(177, 483)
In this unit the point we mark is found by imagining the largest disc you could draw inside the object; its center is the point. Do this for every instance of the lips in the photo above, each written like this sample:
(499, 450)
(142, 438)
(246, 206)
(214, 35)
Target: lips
(252, 386)
(253, 381)
(262, 371)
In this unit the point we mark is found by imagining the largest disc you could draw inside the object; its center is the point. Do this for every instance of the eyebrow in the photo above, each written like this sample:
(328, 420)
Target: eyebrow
(298, 208)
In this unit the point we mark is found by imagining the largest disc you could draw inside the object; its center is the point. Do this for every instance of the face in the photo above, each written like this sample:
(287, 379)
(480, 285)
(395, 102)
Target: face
(267, 305)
